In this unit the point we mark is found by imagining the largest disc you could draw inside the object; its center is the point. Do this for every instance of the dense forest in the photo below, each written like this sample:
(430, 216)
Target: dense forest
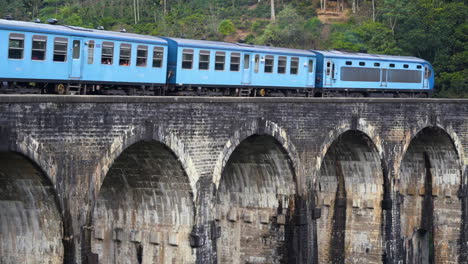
(435, 30)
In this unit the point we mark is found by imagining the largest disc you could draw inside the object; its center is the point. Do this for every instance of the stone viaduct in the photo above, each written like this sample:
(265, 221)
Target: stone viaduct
(232, 180)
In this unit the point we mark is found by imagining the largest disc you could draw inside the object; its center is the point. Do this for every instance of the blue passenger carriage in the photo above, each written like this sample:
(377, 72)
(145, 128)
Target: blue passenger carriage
(65, 58)
(357, 73)
(201, 66)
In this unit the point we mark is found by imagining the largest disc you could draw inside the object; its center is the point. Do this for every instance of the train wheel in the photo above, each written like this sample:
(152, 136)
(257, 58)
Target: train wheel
(60, 88)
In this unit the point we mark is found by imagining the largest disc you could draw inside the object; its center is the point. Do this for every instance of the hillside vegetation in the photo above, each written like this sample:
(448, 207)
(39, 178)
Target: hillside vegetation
(435, 30)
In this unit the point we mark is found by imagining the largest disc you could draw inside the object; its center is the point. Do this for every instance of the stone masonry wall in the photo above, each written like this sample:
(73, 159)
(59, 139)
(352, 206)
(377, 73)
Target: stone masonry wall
(203, 180)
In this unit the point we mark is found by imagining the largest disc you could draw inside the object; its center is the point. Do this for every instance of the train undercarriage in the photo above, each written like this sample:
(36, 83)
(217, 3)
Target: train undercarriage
(165, 90)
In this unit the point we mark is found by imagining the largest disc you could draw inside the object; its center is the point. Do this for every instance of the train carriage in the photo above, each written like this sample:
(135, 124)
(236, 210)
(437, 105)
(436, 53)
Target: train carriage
(66, 56)
(359, 73)
(208, 64)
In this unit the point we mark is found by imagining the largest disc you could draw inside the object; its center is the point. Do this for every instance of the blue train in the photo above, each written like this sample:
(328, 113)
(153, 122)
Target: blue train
(60, 59)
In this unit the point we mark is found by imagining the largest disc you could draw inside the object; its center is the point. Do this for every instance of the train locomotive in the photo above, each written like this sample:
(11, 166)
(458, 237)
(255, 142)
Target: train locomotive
(59, 59)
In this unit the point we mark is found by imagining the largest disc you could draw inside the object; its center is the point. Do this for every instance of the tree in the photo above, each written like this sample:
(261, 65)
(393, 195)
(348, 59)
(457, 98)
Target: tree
(226, 27)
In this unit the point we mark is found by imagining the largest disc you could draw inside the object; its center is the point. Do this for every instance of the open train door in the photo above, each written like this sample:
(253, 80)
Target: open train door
(247, 69)
(76, 64)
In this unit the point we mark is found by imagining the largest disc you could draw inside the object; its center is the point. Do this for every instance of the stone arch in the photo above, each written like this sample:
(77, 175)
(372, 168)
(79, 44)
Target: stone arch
(255, 202)
(255, 127)
(145, 209)
(31, 225)
(429, 181)
(350, 189)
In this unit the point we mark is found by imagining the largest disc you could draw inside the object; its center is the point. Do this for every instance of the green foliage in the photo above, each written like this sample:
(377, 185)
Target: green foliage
(226, 27)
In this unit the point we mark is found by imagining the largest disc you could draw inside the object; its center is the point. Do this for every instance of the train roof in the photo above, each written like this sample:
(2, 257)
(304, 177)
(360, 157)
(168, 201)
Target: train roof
(238, 46)
(78, 31)
(350, 55)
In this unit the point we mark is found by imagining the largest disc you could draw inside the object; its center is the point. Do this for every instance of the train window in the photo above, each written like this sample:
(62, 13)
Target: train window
(419, 67)
(406, 66)
(204, 60)
(220, 57)
(328, 68)
(349, 63)
(294, 65)
(360, 74)
(39, 44)
(281, 64)
(91, 52)
(125, 54)
(60, 49)
(361, 63)
(404, 76)
(427, 72)
(76, 49)
(392, 65)
(187, 58)
(107, 56)
(142, 56)
(158, 54)
(269, 63)
(311, 66)
(257, 63)
(16, 46)
(246, 61)
(235, 61)
(376, 64)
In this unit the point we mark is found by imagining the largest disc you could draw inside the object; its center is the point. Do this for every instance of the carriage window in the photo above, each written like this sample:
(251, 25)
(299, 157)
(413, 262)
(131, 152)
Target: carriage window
(392, 65)
(419, 67)
(39, 44)
(328, 68)
(235, 61)
(294, 65)
(360, 74)
(427, 73)
(269, 63)
(16, 46)
(311, 66)
(257, 63)
(91, 52)
(76, 49)
(361, 63)
(158, 54)
(349, 63)
(220, 57)
(125, 53)
(107, 56)
(187, 58)
(281, 64)
(204, 60)
(246, 61)
(142, 56)
(377, 64)
(406, 66)
(60, 49)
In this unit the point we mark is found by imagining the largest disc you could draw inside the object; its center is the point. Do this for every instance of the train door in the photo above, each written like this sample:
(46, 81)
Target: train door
(76, 60)
(329, 72)
(247, 69)
(427, 74)
(310, 73)
(383, 77)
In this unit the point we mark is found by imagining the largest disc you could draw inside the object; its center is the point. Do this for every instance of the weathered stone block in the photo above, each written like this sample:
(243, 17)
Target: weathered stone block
(99, 233)
(232, 215)
(281, 219)
(135, 236)
(264, 218)
(118, 234)
(356, 203)
(155, 238)
(173, 239)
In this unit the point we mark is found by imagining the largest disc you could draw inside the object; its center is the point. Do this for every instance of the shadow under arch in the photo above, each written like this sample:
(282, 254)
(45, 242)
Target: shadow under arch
(351, 185)
(255, 202)
(430, 179)
(260, 127)
(145, 209)
(32, 222)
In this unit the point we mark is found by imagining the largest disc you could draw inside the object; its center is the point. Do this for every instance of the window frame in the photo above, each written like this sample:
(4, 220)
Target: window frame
(21, 38)
(310, 66)
(141, 61)
(91, 49)
(256, 63)
(269, 58)
(107, 45)
(296, 62)
(236, 55)
(60, 41)
(157, 50)
(123, 57)
(282, 64)
(220, 54)
(204, 61)
(39, 38)
(184, 60)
